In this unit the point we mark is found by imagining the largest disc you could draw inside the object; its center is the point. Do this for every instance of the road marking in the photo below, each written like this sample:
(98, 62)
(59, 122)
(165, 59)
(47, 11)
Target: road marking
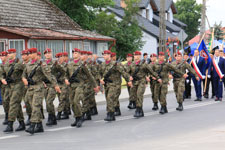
(58, 129)
(8, 137)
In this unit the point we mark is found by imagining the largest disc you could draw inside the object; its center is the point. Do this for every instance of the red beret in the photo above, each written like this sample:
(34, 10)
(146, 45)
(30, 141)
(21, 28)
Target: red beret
(153, 55)
(24, 52)
(59, 55)
(12, 50)
(65, 54)
(4, 53)
(32, 50)
(179, 53)
(48, 50)
(161, 53)
(89, 53)
(106, 52)
(76, 50)
(39, 53)
(137, 53)
(113, 54)
(83, 52)
(129, 55)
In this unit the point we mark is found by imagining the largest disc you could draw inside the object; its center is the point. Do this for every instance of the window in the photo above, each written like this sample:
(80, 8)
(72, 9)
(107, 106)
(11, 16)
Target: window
(2, 46)
(18, 45)
(39, 44)
(56, 46)
(71, 45)
(87, 46)
(101, 47)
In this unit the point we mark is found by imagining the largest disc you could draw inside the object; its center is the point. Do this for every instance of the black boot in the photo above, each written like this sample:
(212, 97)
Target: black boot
(65, 115)
(134, 105)
(110, 117)
(9, 127)
(166, 110)
(54, 120)
(155, 107)
(69, 112)
(107, 118)
(5, 122)
(141, 112)
(39, 128)
(87, 115)
(117, 111)
(79, 121)
(28, 121)
(180, 107)
(94, 111)
(74, 123)
(137, 112)
(31, 128)
(51, 120)
(130, 105)
(21, 126)
(162, 110)
(42, 112)
(58, 117)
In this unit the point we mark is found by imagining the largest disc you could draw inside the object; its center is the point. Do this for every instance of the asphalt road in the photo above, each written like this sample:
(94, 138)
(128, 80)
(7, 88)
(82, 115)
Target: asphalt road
(201, 126)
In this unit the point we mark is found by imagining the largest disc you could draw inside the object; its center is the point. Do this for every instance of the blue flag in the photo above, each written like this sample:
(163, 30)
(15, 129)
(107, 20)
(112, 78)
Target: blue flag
(203, 50)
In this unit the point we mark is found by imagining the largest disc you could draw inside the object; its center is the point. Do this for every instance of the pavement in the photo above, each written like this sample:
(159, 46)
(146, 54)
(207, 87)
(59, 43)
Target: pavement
(201, 126)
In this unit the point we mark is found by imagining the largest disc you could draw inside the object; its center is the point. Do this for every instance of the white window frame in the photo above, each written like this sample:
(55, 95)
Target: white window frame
(14, 40)
(87, 44)
(5, 41)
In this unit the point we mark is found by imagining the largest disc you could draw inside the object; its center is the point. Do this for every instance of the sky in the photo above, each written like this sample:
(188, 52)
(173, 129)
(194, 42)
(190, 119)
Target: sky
(215, 11)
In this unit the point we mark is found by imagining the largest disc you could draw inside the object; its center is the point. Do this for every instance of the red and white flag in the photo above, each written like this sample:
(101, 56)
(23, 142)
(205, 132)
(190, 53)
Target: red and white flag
(193, 62)
(217, 68)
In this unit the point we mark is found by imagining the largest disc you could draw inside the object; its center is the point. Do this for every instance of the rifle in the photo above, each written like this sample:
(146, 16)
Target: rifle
(160, 70)
(46, 81)
(8, 78)
(108, 74)
(174, 74)
(134, 76)
(73, 78)
(29, 78)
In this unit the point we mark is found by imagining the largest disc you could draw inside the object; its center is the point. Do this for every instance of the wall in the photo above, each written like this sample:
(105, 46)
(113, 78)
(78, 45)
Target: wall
(150, 45)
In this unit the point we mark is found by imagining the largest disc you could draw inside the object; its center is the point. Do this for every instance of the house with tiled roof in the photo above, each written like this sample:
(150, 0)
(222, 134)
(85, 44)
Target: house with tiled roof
(148, 19)
(40, 24)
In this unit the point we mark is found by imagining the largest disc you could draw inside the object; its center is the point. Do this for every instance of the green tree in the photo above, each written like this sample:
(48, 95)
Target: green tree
(218, 32)
(82, 12)
(189, 12)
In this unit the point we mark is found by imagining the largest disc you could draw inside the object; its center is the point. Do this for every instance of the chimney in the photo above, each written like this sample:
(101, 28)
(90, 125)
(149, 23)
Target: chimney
(123, 4)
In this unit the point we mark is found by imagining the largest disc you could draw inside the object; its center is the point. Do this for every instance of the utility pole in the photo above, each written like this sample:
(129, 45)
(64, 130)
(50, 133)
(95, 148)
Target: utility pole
(203, 18)
(162, 27)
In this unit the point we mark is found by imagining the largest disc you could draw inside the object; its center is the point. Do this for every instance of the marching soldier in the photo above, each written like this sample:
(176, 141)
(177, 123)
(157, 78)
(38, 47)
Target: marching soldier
(111, 72)
(77, 75)
(162, 68)
(179, 81)
(33, 76)
(4, 89)
(139, 71)
(132, 103)
(13, 70)
(153, 82)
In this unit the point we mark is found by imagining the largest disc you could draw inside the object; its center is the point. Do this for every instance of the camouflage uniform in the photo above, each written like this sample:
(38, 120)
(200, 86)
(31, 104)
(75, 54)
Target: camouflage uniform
(152, 88)
(161, 89)
(111, 89)
(35, 91)
(77, 88)
(179, 82)
(139, 71)
(15, 92)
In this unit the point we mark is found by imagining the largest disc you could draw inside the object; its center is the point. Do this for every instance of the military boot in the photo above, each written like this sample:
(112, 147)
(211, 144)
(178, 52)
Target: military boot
(94, 111)
(5, 122)
(9, 127)
(28, 121)
(21, 126)
(79, 121)
(58, 117)
(155, 107)
(74, 124)
(31, 128)
(65, 115)
(107, 118)
(180, 107)
(87, 115)
(54, 120)
(166, 110)
(130, 105)
(137, 112)
(117, 111)
(134, 105)
(141, 112)
(51, 120)
(110, 116)
(162, 110)
(39, 128)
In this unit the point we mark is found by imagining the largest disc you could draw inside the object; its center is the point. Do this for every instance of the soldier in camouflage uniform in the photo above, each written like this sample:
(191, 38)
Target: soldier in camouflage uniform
(163, 68)
(63, 96)
(13, 70)
(50, 91)
(77, 75)
(132, 103)
(33, 75)
(111, 71)
(139, 71)
(4, 88)
(179, 82)
(153, 58)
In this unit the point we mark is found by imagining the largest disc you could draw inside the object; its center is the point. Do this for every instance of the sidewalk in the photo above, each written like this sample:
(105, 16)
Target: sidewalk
(100, 98)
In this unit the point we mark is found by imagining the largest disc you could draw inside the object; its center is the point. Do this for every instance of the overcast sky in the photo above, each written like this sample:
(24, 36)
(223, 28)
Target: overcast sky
(215, 11)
